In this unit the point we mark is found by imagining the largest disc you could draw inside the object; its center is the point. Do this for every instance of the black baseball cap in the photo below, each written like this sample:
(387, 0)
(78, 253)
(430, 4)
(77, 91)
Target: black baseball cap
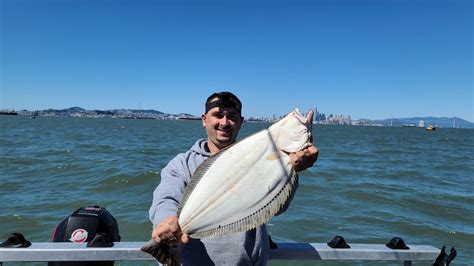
(224, 99)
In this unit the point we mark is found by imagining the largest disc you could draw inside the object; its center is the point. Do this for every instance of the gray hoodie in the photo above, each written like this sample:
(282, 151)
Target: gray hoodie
(247, 248)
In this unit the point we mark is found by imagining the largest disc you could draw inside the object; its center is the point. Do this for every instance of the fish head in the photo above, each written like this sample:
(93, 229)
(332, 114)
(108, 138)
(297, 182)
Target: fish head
(293, 132)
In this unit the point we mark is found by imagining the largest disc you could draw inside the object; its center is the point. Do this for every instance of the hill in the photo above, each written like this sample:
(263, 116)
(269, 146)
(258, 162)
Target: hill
(443, 122)
(115, 113)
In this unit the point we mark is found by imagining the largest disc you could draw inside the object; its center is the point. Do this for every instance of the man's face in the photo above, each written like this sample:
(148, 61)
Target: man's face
(222, 125)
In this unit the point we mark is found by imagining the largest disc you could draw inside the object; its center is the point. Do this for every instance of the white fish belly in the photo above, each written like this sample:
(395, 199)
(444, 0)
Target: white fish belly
(243, 180)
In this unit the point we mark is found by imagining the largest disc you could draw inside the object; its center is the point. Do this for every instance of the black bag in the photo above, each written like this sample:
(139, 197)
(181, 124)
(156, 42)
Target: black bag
(91, 224)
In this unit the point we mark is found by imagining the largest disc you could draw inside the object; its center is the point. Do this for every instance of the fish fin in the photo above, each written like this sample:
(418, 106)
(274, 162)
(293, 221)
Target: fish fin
(259, 217)
(164, 253)
(196, 177)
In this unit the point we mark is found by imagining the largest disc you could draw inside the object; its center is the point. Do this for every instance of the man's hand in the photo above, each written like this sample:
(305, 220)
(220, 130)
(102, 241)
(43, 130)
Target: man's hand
(302, 160)
(169, 232)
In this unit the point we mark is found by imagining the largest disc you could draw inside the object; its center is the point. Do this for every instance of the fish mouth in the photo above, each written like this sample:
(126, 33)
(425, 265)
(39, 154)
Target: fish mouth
(308, 119)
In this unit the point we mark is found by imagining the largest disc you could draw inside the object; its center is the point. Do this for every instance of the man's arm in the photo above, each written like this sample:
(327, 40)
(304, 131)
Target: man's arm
(166, 198)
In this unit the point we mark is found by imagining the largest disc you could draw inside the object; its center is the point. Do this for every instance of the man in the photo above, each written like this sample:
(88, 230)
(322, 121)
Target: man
(222, 120)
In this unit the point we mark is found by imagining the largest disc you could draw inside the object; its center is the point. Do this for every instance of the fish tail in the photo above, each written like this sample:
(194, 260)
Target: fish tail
(163, 253)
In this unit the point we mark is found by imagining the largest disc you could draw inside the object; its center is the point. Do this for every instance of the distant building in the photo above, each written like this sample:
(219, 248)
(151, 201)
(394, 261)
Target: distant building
(318, 117)
(421, 123)
(338, 119)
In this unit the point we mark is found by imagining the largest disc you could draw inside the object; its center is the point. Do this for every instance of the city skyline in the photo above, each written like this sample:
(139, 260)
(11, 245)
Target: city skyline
(319, 117)
(367, 59)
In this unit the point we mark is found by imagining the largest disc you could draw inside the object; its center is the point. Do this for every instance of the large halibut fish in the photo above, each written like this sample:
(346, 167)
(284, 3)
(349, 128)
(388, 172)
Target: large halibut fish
(242, 186)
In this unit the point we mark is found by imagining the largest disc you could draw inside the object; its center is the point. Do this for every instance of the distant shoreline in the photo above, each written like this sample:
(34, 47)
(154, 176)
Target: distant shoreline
(175, 118)
(438, 122)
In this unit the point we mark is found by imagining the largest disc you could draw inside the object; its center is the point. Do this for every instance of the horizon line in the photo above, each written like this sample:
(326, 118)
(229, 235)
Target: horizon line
(135, 109)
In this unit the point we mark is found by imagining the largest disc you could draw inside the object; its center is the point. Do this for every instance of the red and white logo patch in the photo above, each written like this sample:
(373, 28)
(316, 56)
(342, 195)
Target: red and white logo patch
(79, 236)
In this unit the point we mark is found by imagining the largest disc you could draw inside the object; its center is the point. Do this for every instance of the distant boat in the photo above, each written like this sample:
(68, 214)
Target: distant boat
(34, 115)
(430, 128)
(408, 125)
(7, 112)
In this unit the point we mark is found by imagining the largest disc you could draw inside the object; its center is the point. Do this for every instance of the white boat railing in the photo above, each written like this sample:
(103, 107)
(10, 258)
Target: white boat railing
(130, 251)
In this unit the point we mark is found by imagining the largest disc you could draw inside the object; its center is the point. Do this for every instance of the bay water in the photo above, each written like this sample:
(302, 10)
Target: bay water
(368, 185)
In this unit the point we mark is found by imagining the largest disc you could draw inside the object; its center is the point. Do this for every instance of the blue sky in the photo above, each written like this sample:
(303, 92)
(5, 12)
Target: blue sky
(367, 59)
